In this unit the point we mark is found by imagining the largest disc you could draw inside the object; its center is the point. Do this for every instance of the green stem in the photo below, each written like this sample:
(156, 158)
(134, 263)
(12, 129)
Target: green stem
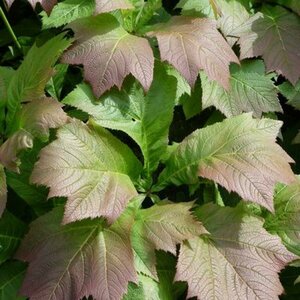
(3, 17)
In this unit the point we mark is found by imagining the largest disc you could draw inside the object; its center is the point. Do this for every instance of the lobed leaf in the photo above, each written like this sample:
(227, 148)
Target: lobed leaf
(191, 44)
(239, 153)
(274, 35)
(239, 259)
(161, 227)
(249, 92)
(145, 118)
(86, 259)
(108, 53)
(90, 167)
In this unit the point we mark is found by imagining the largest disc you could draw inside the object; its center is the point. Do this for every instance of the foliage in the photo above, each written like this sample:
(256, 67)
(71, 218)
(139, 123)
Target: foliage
(164, 135)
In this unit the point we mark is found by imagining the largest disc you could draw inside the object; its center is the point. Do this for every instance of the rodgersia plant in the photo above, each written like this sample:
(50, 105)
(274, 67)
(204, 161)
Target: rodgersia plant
(155, 133)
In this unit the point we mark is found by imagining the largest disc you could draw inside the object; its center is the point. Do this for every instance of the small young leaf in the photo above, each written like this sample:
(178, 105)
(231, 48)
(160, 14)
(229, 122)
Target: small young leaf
(30, 79)
(46, 4)
(3, 190)
(286, 221)
(249, 92)
(108, 53)
(90, 167)
(275, 35)
(233, 261)
(239, 153)
(191, 44)
(86, 259)
(162, 227)
(146, 119)
(11, 276)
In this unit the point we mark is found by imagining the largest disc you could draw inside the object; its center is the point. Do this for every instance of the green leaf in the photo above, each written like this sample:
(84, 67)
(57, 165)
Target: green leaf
(11, 233)
(146, 119)
(239, 153)
(3, 190)
(30, 79)
(249, 92)
(201, 8)
(286, 220)
(68, 11)
(292, 93)
(11, 276)
(79, 259)
(56, 82)
(90, 167)
(239, 259)
(161, 227)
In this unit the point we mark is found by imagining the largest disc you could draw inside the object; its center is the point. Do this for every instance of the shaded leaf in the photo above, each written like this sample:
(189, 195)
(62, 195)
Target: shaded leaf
(292, 4)
(68, 11)
(146, 119)
(239, 259)
(90, 167)
(11, 276)
(103, 6)
(46, 4)
(3, 190)
(274, 35)
(286, 220)
(30, 79)
(108, 53)
(86, 259)
(292, 93)
(239, 153)
(161, 227)
(11, 233)
(191, 44)
(249, 92)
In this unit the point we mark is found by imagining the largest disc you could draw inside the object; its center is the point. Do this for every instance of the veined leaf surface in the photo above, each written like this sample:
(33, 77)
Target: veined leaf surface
(239, 153)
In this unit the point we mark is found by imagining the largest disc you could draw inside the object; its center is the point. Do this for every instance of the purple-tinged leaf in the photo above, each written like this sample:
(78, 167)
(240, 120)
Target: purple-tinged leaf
(103, 6)
(46, 4)
(3, 190)
(191, 44)
(108, 53)
(90, 167)
(239, 259)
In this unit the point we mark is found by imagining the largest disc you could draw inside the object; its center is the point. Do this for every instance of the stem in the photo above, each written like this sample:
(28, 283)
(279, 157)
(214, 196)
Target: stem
(4, 19)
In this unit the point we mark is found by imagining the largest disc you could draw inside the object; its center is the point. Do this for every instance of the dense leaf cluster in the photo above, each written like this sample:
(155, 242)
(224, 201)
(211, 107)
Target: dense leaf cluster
(163, 137)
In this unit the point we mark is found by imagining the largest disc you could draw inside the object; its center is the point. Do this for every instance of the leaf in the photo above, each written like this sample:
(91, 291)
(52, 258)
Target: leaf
(56, 83)
(3, 190)
(286, 220)
(34, 120)
(30, 79)
(191, 44)
(90, 167)
(292, 93)
(103, 6)
(292, 4)
(161, 227)
(108, 53)
(201, 8)
(76, 260)
(238, 260)
(249, 92)
(143, 118)
(239, 153)
(274, 35)
(68, 11)
(11, 276)
(11, 233)
(46, 4)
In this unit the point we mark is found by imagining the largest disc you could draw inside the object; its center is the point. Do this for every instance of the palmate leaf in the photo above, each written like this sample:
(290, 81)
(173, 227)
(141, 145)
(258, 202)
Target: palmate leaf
(161, 227)
(46, 4)
(34, 120)
(274, 35)
(249, 92)
(239, 259)
(30, 79)
(86, 258)
(108, 53)
(191, 44)
(239, 153)
(146, 119)
(90, 167)
(3, 190)
(286, 220)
